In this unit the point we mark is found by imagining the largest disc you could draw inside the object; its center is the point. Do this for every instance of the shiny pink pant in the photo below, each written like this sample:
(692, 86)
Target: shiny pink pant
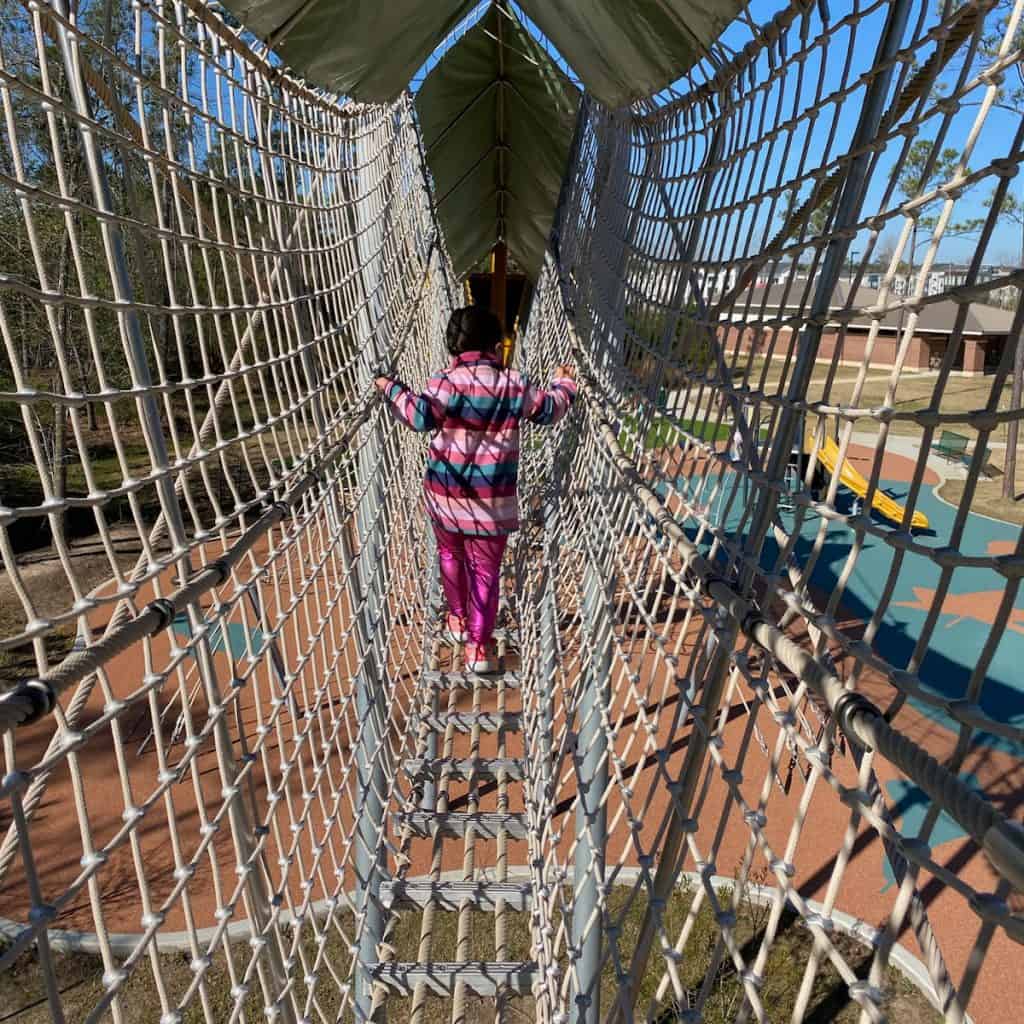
(471, 577)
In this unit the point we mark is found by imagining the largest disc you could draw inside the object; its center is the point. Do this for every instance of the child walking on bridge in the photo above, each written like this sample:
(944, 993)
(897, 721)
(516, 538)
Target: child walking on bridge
(474, 407)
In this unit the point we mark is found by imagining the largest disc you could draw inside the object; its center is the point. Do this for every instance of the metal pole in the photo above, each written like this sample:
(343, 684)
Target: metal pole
(432, 609)
(499, 256)
(674, 850)
(552, 513)
(848, 206)
(1013, 426)
(604, 273)
(370, 860)
(371, 785)
(370, 857)
(549, 646)
(591, 814)
(499, 284)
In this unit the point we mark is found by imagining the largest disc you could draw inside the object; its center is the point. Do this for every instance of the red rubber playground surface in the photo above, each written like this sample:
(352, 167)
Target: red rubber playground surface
(867, 892)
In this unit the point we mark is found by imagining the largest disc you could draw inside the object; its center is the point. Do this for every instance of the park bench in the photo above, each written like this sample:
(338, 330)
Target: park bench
(953, 447)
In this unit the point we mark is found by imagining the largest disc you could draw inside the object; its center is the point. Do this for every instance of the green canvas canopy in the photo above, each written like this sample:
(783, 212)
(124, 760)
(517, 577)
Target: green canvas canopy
(496, 112)
(497, 118)
(622, 50)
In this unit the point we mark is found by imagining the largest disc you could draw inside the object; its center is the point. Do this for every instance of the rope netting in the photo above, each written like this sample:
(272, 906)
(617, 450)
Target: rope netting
(697, 608)
(213, 702)
(217, 259)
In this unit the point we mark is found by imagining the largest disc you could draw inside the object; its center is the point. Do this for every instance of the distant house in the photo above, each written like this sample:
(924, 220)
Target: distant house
(757, 322)
(946, 277)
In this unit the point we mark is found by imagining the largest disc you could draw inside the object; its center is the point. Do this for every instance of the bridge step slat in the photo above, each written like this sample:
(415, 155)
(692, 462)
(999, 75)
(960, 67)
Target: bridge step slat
(483, 768)
(500, 635)
(481, 977)
(482, 895)
(467, 680)
(485, 824)
(464, 721)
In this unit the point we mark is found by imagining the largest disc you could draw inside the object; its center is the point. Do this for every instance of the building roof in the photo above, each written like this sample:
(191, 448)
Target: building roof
(936, 316)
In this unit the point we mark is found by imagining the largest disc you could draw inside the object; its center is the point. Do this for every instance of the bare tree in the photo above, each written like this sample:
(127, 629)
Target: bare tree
(923, 167)
(885, 251)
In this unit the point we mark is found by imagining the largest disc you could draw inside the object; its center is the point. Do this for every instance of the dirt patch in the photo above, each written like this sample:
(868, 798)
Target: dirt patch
(22, 995)
(914, 393)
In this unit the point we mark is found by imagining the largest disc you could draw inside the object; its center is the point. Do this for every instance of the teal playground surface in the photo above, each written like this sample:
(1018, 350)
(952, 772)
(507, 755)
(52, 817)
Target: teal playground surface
(233, 643)
(969, 608)
(910, 804)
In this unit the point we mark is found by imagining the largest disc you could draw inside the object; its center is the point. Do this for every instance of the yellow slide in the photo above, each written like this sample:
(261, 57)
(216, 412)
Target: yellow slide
(828, 455)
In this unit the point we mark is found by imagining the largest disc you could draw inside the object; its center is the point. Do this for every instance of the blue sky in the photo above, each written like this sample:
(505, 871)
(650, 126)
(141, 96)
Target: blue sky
(993, 142)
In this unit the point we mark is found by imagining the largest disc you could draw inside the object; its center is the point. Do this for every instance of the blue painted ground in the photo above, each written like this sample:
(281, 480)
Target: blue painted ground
(909, 805)
(235, 643)
(963, 628)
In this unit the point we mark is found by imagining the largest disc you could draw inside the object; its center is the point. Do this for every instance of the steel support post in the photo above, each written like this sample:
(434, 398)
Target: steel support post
(607, 253)
(432, 613)
(371, 786)
(591, 815)
(548, 668)
(670, 860)
(592, 782)
(673, 851)
(552, 513)
(370, 859)
(559, 480)
(849, 203)
(499, 285)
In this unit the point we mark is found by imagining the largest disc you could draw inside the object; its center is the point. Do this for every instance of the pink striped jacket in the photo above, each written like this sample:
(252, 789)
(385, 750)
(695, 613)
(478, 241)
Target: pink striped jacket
(474, 407)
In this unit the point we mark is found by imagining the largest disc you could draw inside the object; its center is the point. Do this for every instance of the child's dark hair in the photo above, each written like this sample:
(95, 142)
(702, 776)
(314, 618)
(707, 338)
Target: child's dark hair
(473, 329)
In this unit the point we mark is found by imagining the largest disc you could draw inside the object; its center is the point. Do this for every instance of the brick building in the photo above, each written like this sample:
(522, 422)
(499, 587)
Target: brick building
(985, 333)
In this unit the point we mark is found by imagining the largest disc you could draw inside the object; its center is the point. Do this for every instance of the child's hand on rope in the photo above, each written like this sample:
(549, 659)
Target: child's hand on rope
(565, 371)
(383, 377)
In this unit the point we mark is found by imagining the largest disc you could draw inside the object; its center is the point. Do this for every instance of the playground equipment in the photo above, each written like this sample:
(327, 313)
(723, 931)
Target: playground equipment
(828, 456)
(210, 255)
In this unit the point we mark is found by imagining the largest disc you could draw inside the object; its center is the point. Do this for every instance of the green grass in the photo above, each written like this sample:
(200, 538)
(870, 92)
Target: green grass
(23, 1000)
(665, 433)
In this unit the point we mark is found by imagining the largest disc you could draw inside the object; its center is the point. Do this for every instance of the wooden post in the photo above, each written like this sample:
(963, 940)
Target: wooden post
(499, 296)
(499, 283)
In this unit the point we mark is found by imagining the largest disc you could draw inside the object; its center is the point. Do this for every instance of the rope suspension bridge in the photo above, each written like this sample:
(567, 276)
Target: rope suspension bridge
(245, 774)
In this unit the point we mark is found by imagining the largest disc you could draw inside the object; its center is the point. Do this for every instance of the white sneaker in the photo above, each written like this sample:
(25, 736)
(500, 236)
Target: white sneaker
(481, 659)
